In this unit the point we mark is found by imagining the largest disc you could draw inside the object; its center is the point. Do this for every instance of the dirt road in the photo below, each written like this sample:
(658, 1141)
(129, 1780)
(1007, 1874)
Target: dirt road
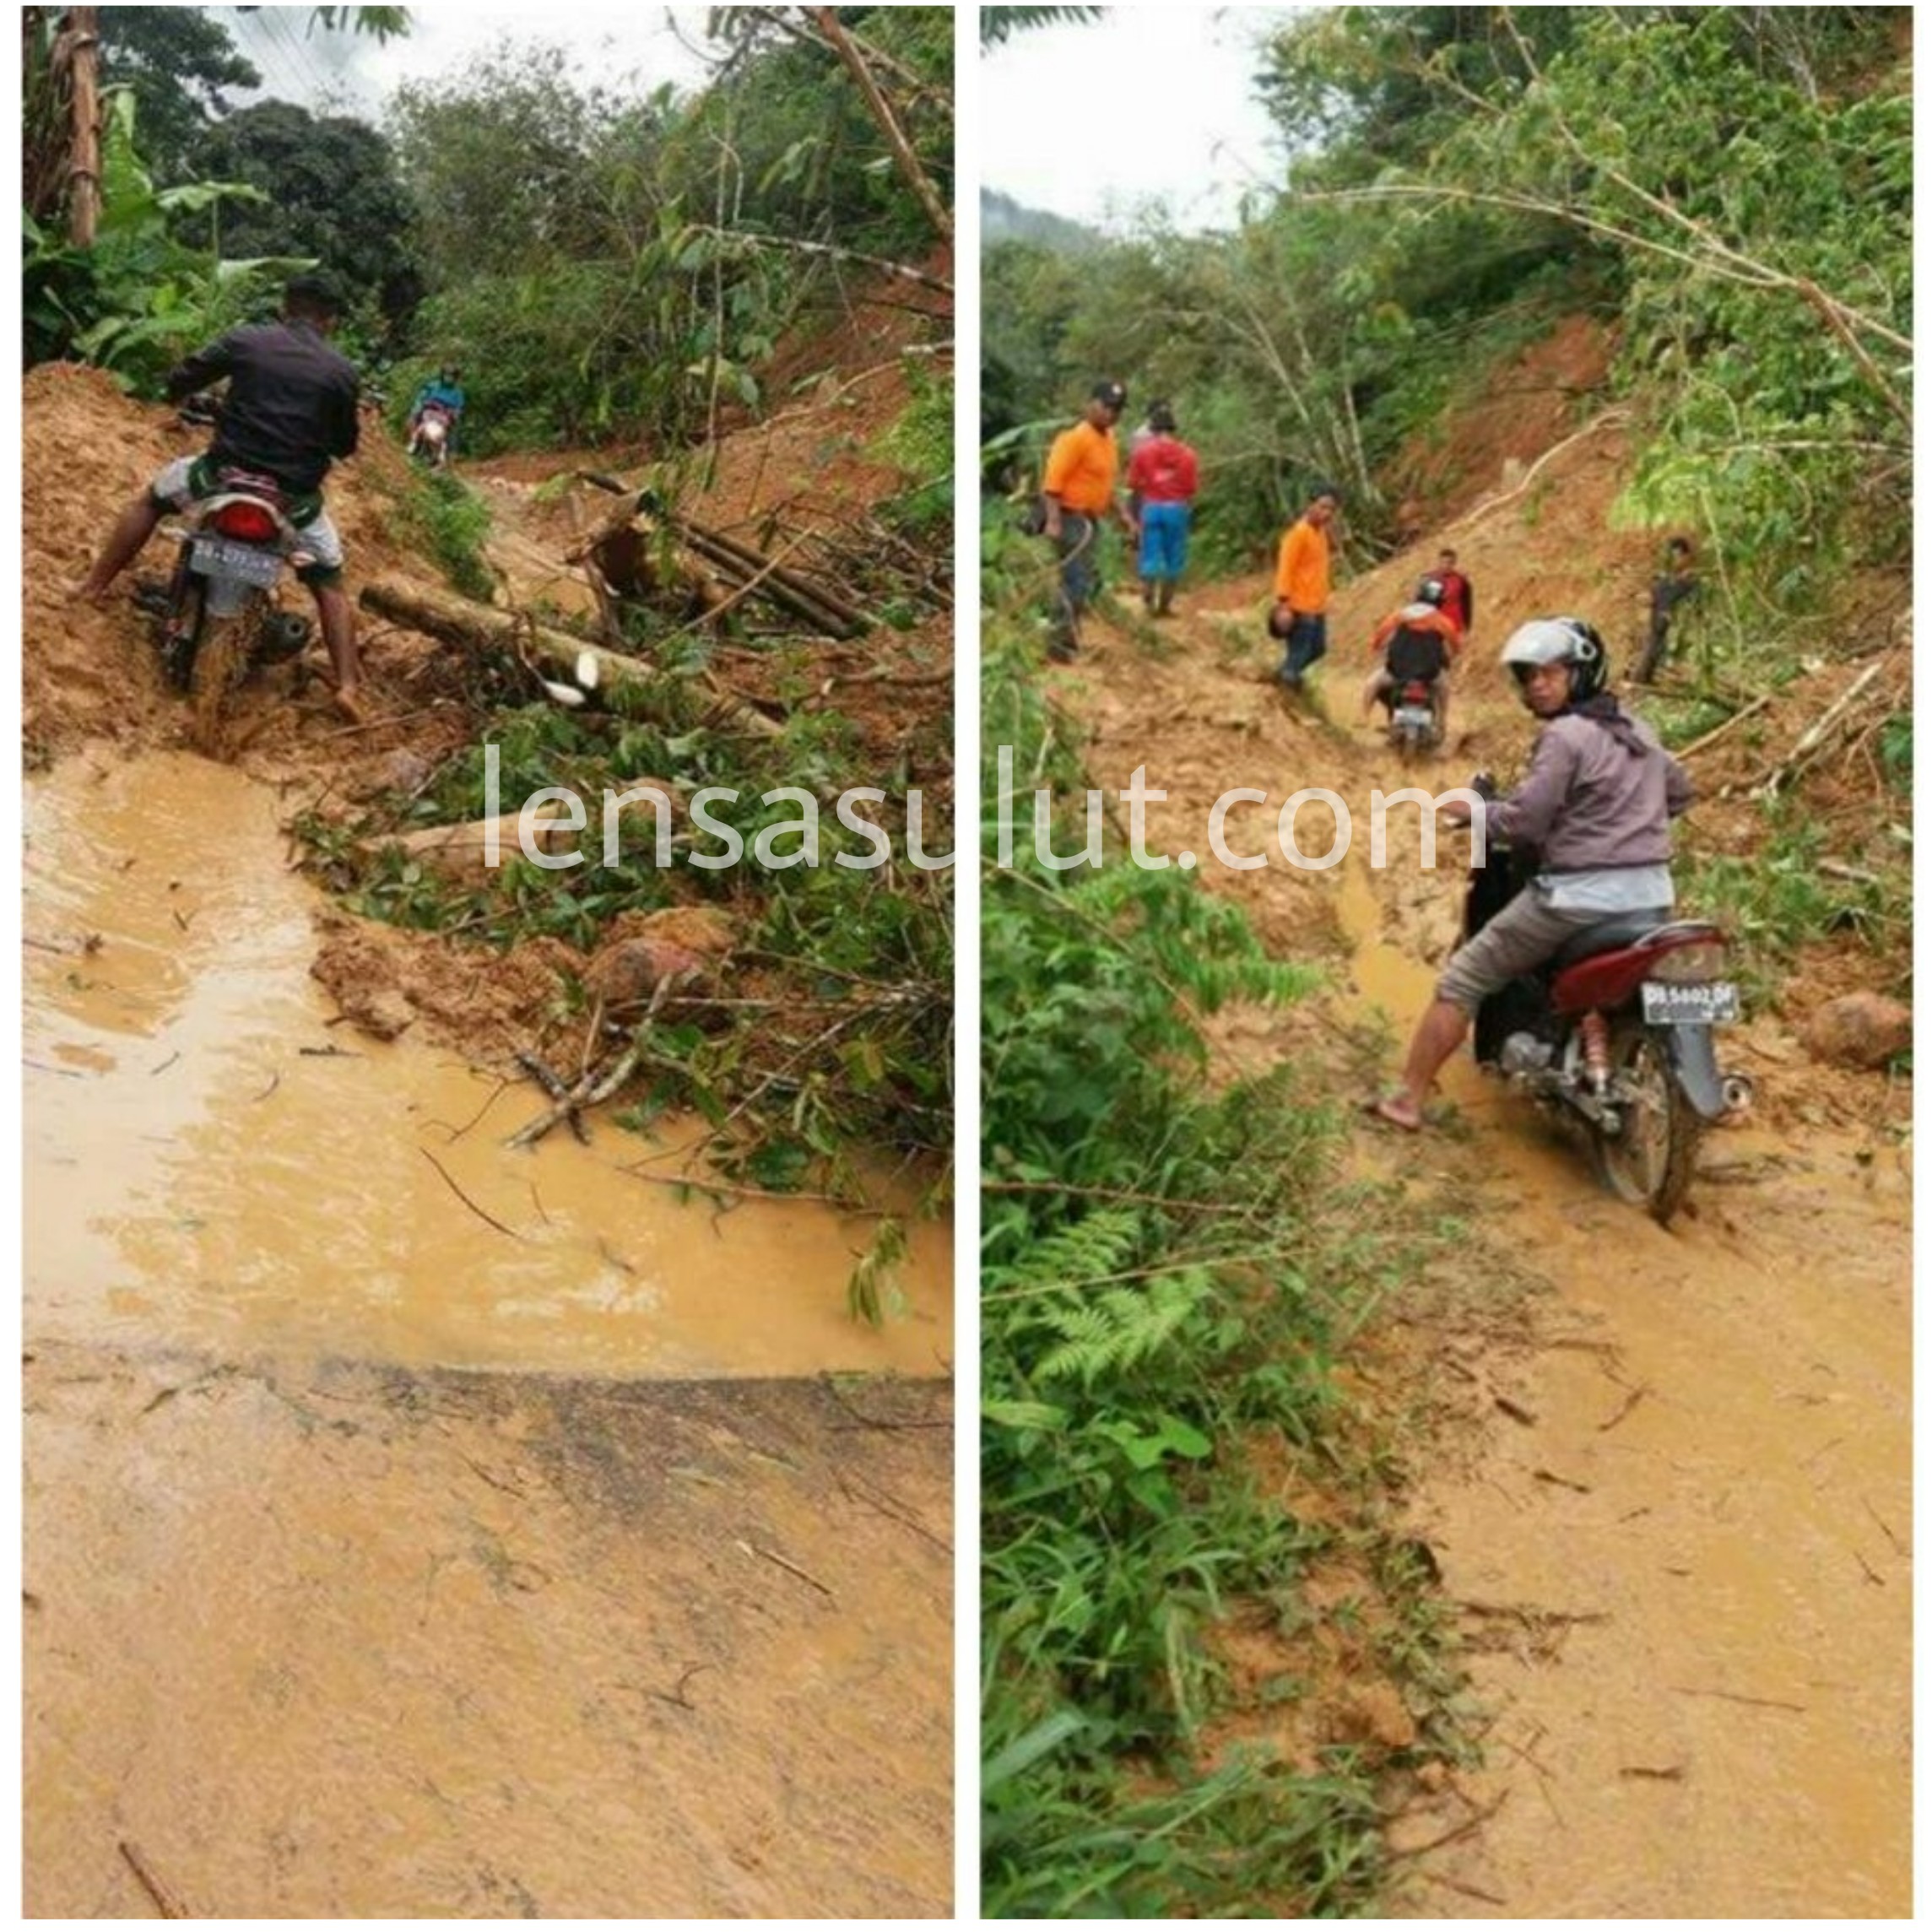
(1676, 1517)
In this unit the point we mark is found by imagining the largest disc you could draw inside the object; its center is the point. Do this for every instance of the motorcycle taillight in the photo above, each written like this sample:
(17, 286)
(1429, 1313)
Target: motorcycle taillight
(248, 522)
(1681, 965)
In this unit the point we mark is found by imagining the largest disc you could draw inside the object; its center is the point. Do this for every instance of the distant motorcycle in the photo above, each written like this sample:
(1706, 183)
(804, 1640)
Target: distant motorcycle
(218, 619)
(430, 440)
(1614, 1031)
(1412, 727)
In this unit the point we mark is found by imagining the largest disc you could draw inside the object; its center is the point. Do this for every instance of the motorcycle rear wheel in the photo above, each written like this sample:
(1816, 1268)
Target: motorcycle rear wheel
(1649, 1163)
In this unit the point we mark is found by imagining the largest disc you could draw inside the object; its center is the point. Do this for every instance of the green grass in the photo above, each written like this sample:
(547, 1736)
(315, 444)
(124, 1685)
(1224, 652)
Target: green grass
(449, 523)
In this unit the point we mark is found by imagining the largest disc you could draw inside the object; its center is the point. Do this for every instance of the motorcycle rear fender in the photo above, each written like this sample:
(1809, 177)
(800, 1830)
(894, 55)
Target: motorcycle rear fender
(1692, 1055)
(203, 513)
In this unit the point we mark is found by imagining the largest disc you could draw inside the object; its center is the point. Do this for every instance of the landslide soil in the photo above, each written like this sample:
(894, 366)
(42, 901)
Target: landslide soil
(480, 1535)
(1666, 1487)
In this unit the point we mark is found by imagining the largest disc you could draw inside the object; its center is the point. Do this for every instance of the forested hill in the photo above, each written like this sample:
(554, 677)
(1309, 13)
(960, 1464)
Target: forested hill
(605, 256)
(1729, 189)
(1003, 219)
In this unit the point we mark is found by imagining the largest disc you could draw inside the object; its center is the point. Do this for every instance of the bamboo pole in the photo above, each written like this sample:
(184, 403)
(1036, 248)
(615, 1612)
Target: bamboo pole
(84, 54)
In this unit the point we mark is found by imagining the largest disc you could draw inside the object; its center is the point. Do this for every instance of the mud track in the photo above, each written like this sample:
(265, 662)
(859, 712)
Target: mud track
(417, 1527)
(1673, 1507)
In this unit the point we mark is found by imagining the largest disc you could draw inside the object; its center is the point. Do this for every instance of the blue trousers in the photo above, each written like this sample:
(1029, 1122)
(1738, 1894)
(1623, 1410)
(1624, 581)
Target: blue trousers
(1164, 540)
(1307, 640)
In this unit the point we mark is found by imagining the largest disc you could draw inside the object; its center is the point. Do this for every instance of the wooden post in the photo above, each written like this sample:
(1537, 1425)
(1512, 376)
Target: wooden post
(84, 192)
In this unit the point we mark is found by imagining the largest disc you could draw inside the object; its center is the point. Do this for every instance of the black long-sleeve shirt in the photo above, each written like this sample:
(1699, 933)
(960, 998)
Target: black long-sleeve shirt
(291, 405)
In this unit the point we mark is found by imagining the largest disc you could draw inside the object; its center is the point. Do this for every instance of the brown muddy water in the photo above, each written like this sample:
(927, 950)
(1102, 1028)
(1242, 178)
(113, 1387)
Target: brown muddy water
(209, 1161)
(382, 1563)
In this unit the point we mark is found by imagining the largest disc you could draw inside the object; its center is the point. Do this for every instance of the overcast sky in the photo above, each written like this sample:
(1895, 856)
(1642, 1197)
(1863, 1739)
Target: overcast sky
(354, 74)
(1146, 104)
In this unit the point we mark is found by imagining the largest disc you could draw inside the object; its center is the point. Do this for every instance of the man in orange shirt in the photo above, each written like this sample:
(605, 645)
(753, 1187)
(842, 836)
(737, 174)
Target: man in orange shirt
(1300, 617)
(1078, 491)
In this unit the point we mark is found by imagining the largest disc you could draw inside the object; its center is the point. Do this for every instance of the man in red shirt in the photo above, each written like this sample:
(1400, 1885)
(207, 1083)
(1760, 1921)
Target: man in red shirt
(1458, 594)
(1164, 475)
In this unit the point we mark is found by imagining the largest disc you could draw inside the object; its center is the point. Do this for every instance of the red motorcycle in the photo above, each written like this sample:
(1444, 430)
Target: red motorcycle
(1615, 1031)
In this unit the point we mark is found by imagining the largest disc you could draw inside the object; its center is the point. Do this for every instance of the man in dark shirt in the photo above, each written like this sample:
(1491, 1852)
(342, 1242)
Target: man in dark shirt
(290, 410)
(1678, 582)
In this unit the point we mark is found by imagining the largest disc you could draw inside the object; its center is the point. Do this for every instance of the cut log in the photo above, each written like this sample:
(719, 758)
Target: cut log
(478, 627)
(461, 853)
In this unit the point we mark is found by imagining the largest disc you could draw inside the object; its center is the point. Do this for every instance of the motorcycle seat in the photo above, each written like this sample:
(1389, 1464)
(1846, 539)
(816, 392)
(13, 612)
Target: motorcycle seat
(1615, 930)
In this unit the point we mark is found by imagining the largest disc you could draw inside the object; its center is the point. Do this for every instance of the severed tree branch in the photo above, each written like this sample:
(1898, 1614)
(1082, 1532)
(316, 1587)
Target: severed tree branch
(880, 109)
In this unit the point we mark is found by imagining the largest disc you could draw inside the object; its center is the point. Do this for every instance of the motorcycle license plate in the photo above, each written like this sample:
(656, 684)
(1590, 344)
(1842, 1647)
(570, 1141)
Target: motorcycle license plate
(216, 557)
(1703, 1003)
(1416, 717)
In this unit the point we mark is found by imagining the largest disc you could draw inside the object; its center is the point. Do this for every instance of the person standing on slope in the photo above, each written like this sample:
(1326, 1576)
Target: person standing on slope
(1078, 490)
(1164, 477)
(1301, 580)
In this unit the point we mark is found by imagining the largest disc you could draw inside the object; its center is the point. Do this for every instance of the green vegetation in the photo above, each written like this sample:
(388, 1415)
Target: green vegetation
(603, 261)
(1777, 899)
(1168, 1286)
(440, 516)
(834, 1044)
(1731, 185)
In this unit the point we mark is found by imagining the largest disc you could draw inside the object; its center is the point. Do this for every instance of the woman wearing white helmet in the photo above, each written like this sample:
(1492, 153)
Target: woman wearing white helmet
(1596, 806)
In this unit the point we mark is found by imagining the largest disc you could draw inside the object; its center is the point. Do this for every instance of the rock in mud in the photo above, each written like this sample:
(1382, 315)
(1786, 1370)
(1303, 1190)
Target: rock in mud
(399, 771)
(644, 948)
(1859, 1030)
(1373, 1713)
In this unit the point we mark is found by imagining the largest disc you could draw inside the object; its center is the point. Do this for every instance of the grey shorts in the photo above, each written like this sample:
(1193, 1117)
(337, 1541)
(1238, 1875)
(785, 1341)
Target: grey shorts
(1518, 940)
(176, 487)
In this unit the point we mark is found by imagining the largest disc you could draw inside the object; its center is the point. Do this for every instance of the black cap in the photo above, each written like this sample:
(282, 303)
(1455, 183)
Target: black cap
(318, 293)
(1113, 394)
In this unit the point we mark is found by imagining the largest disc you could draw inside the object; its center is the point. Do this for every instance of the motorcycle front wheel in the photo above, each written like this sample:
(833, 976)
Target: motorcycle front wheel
(220, 662)
(1648, 1162)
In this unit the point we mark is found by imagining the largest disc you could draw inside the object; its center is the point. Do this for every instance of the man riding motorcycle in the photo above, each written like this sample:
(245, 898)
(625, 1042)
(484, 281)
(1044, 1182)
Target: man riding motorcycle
(291, 410)
(1597, 804)
(1415, 645)
(443, 392)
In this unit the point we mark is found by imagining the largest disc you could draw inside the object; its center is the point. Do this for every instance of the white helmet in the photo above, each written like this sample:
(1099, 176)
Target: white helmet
(1560, 640)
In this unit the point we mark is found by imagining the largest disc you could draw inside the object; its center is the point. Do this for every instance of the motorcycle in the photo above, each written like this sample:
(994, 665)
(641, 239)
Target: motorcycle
(218, 618)
(1616, 1030)
(1412, 727)
(430, 442)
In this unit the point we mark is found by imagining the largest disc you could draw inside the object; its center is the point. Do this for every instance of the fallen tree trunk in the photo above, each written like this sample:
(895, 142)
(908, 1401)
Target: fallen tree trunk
(478, 627)
(741, 563)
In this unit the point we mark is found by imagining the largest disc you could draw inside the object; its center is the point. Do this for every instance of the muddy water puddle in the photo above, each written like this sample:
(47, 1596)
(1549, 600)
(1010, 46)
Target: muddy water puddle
(210, 1162)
